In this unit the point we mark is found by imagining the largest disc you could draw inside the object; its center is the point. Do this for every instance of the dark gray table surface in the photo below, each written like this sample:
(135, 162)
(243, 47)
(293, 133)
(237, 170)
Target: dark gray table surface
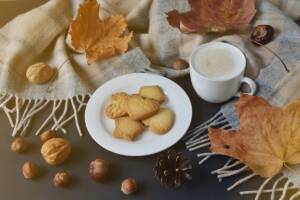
(14, 187)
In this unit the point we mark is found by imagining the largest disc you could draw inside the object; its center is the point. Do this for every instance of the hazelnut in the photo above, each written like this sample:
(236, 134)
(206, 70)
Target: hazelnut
(129, 186)
(98, 169)
(180, 64)
(47, 135)
(262, 34)
(19, 145)
(56, 150)
(61, 179)
(30, 170)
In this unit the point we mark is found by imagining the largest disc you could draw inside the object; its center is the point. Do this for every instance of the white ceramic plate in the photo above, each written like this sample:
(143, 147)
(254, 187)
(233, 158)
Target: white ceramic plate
(101, 127)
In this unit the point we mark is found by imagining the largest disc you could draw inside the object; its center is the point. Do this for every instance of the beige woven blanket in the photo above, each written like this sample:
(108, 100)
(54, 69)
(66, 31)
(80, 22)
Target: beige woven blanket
(41, 36)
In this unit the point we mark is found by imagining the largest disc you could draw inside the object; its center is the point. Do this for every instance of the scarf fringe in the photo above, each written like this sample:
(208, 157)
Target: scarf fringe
(20, 113)
(198, 138)
(275, 189)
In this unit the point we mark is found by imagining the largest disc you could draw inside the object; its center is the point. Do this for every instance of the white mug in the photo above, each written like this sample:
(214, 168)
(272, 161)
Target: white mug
(222, 88)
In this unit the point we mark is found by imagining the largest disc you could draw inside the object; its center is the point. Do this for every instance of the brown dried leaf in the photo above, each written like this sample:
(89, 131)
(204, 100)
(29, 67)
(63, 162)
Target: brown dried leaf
(214, 16)
(97, 38)
(268, 139)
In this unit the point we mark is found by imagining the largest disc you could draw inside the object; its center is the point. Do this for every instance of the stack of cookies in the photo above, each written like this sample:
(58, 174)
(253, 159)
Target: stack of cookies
(133, 113)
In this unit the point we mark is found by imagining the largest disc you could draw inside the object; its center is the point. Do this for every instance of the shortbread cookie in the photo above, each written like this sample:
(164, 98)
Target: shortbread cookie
(117, 107)
(139, 108)
(127, 128)
(152, 92)
(161, 122)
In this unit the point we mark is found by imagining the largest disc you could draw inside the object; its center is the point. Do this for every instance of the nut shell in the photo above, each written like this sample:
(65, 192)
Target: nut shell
(262, 34)
(39, 73)
(19, 145)
(129, 186)
(56, 150)
(47, 135)
(30, 170)
(61, 179)
(99, 169)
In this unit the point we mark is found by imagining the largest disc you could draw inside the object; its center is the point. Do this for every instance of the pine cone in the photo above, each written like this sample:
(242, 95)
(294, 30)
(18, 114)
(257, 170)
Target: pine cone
(172, 169)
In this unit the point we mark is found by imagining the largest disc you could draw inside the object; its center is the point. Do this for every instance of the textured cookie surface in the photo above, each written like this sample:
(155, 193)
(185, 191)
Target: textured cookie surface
(117, 107)
(139, 108)
(161, 122)
(152, 92)
(127, 128)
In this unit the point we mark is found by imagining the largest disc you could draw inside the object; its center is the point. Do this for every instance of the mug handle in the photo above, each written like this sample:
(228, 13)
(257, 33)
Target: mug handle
(251, 84)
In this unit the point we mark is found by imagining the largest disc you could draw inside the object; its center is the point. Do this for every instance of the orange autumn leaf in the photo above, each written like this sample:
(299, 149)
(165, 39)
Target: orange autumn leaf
(216, 16)
(268, 139)
(99, 39)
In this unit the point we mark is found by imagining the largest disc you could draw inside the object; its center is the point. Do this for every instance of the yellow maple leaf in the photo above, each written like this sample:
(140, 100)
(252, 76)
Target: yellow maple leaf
(99, 39)
(268, 139)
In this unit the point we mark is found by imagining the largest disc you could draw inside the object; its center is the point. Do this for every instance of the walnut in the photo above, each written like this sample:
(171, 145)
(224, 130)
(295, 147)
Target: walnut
(56, 150)
(40, 73)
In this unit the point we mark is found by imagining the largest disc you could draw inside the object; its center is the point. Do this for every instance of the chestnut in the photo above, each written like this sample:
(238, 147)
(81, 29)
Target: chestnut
(262, 34)
(99, 169)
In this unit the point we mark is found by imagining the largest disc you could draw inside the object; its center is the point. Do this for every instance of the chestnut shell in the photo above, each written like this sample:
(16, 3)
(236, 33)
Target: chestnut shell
(262, 34)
